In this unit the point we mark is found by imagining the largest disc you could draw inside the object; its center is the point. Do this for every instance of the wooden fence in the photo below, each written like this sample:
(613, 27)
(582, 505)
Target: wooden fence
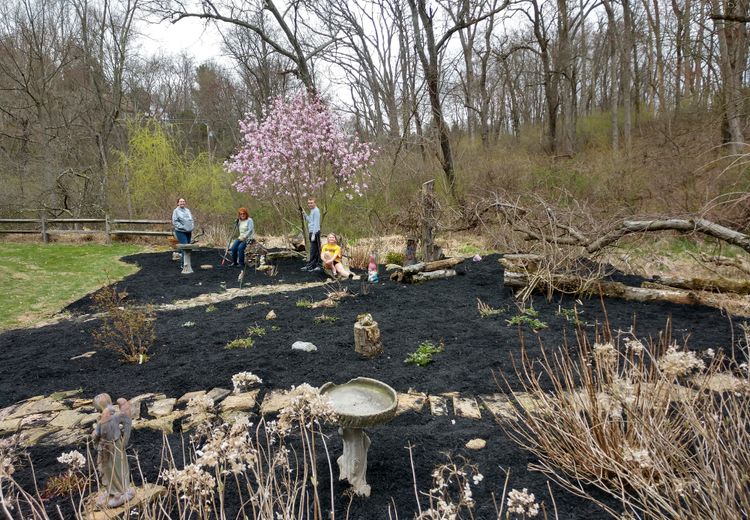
(106, 226)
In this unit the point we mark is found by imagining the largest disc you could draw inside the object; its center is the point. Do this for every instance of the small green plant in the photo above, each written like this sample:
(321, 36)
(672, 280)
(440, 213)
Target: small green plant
(223, 286)
(423, 355)
(572, 315)
(486, 310)
(256, 331)
(240, 343)
(304, 303)
(528, 317)
(394, 257)
(211, 308)
(188, 324)
(275, 328)
(324, 318)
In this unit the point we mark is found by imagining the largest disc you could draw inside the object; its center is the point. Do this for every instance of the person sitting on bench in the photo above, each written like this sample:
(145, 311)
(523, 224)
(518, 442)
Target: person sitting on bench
(330, 254)
(246, 229)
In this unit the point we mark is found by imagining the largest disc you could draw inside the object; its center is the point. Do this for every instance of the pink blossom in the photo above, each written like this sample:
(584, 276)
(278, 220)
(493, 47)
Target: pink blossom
(299, 148)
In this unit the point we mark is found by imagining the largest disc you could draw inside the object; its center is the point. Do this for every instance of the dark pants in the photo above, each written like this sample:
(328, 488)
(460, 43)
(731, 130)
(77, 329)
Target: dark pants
(238, 252)
(183, 237)
(314, 260)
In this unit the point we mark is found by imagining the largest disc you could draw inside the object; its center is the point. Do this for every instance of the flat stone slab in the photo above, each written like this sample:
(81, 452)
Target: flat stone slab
(218, 394)
(162, 407)
(143, 495)
(438, 405)
(65, 394)
(165, 424)
(274, 401)
(188, 396)
(65, 438)
(411, 401)
(466, 407)
(499, 406)
(242, 402)
(9, 426)
(68, 419)
(44, 405)
(32, 436)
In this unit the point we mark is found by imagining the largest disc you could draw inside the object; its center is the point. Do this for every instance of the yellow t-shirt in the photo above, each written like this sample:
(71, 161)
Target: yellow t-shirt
(332, 249)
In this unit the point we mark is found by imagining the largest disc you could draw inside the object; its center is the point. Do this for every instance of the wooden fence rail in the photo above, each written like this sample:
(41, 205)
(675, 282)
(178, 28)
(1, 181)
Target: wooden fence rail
(42, 226)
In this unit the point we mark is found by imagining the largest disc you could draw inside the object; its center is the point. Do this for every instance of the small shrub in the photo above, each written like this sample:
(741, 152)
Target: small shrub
(189, 324)
(324, 318)
(394, 257)
(275, 328)
(126, 330)
(423, 355)
(240, 343)
(528, 317)
(304, 303)
(211, 308)
(571, 315)
(257, 330)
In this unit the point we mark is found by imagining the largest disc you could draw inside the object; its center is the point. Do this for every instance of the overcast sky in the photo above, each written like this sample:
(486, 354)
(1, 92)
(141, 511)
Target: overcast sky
(191, 35)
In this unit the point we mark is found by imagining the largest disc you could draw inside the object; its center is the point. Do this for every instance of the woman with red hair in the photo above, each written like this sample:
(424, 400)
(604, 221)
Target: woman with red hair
(246, 229)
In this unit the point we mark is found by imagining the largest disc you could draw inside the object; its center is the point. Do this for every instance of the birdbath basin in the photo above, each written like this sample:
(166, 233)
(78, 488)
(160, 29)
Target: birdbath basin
(360, 403)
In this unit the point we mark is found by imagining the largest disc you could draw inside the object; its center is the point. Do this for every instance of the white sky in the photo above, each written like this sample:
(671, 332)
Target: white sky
(191, 35)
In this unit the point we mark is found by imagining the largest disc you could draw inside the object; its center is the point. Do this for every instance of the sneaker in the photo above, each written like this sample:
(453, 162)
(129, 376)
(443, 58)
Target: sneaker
(316, 269)
(305, 268)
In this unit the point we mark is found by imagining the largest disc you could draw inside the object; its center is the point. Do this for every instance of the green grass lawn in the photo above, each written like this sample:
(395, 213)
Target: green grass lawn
(38, 280)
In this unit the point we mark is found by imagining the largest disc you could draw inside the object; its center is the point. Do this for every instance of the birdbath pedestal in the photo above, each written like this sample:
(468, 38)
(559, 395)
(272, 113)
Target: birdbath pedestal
(187, 267)
(360, 403)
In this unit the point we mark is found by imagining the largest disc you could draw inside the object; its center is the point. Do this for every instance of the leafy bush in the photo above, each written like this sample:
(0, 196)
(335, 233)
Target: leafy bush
(528, 317)
(240, 343)
(394, 257)
(304, 303)
(257, 330)
(127, 330)
(423, 355)
(325, 318)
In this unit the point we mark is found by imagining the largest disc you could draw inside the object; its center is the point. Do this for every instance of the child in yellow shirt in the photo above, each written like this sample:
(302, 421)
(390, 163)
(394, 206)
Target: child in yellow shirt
(330, 254)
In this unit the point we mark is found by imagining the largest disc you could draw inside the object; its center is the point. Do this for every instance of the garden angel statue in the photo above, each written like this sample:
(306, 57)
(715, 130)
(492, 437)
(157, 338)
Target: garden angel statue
(111, 435)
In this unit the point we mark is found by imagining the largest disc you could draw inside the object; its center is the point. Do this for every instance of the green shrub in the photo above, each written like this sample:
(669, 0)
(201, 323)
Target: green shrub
(528, 317)
(240, 343)
(304, 303)
(394, 257)
(423, 355)
(126, 330)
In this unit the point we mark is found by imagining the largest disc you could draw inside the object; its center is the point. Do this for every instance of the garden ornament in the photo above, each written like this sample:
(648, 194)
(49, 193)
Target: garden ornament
(111, 435)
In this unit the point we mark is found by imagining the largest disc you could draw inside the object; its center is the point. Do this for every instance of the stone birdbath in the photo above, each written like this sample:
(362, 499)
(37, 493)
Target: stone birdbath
(360, 403)
(187, 268)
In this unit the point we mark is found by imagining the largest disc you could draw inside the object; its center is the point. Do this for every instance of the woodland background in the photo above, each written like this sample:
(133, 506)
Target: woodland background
(603, 107)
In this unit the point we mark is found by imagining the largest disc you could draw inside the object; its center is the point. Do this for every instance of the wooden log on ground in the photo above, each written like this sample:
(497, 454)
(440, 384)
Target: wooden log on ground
(569, 283)
(446, 263)
(722, 285)
(433, 275)
(525, 261)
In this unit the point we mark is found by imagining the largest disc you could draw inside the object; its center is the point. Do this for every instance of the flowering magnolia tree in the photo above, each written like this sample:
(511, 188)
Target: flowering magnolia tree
(299, 151)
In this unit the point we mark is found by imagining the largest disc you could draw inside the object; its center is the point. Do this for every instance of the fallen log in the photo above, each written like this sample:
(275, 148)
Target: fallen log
(433, 275)
(407, 273)
(574, 284)
(721, 285)
(285, 253)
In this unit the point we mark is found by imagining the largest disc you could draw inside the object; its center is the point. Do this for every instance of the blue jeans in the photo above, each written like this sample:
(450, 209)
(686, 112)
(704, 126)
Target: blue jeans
(238, 252)
(183, 237)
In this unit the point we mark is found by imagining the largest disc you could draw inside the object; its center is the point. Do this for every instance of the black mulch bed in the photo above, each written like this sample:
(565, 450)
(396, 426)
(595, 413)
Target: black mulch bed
(477, 353)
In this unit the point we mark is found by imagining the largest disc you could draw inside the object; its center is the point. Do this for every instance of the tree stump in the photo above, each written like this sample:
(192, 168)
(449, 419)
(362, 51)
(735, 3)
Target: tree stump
(367, 336)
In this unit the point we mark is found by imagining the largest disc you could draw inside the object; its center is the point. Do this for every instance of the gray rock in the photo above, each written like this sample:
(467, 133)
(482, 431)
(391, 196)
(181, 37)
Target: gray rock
(218, 394)
(305, 346)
